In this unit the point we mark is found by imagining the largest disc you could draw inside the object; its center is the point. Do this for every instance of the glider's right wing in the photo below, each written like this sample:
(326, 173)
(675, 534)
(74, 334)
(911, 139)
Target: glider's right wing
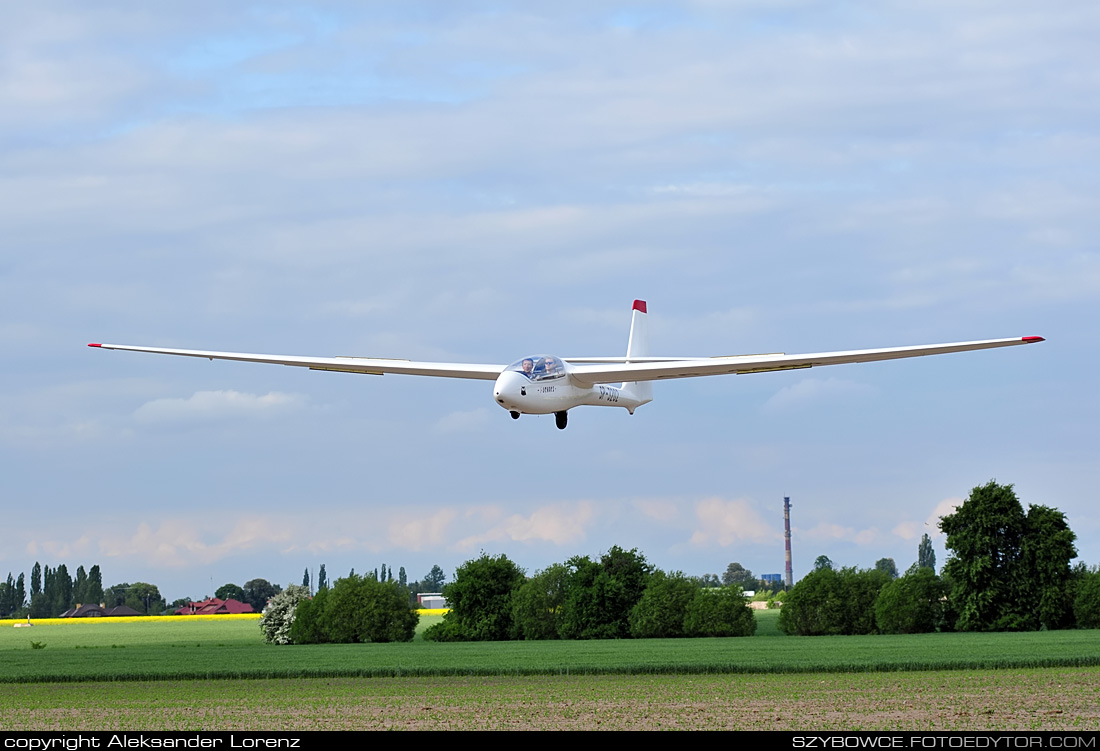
(365, 365)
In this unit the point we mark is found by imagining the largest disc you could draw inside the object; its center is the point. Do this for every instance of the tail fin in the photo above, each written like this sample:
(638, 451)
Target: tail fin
(638, 346)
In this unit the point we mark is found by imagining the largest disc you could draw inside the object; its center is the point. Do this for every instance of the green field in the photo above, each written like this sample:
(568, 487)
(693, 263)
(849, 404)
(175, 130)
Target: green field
(157, 675)
(209, 649)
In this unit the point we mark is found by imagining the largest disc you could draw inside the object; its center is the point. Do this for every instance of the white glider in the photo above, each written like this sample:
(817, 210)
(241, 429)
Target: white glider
(546, 384)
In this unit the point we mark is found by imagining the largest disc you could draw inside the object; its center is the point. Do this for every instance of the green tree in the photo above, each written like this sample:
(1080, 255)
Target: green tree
(402, 579)
(355, 609)
(80, 587)
(7, 597)
(481, 600)
(823, 562)
(739, 575)
(305, 578)
(322, 579)
(912, 604)
(258, 591)
(230, 592)
(832, 602)
(95, 585)
(63, 590)
(20, 593)
(887, 566)
(600, 596)
(1086, 602)
(278, 617)
(536, 604)
(433, 582)
(719, 612)
(926, 555)
(145, 598)
(1009, 570)
(660, 611)
(707, 580)
(1045, 555)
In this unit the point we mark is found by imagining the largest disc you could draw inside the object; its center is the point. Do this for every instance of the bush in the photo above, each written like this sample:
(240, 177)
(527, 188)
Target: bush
(660, 612)
(1086, 603)
(719, 612)
(536, 604)
(912, 604)
(481, 602)
(355, 609)
(832, 602)
(600, 596)
(280, 613)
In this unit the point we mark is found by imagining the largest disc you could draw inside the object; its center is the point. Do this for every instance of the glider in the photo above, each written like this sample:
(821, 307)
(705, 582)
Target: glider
(547, 384)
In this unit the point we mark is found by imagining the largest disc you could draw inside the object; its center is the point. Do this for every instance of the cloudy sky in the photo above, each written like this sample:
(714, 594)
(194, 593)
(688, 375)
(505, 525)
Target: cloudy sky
(476, 181)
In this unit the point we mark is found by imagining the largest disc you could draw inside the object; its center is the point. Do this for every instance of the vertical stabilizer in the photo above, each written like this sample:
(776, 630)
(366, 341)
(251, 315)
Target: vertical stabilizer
(638, 346)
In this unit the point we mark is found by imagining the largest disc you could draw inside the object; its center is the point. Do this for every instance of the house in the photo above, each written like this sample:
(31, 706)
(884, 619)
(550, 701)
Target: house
(215, 606)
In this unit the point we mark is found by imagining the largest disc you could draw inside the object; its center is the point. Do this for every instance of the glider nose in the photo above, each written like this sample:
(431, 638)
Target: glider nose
(509, 389)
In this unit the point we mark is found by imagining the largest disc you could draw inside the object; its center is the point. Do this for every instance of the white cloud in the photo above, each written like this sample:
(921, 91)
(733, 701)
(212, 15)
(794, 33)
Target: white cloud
(727, 522)
(658, 510)
(217, 405)
(420, 531)
(559, 523)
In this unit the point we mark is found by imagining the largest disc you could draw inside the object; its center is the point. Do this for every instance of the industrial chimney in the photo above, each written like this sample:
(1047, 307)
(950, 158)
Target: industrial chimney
(787, 538)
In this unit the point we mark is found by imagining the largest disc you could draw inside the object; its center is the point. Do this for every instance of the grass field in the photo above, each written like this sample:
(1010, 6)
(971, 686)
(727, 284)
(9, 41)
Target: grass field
(156, 674)
(218, 648)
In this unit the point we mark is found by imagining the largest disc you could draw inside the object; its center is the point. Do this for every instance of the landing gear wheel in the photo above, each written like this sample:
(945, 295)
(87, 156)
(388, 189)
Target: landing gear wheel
(514, 414)
(561, 419)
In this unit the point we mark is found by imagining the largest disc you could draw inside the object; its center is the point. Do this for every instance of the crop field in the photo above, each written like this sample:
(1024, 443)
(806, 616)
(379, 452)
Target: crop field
(1050, 699)
(161, 674)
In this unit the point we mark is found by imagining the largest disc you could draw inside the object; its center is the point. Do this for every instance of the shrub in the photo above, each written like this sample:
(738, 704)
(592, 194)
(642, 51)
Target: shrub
(912, 604)
(600, 596)
(832, 602)
(481, 601)
(719, 612)
(279, 614)
(660, 612)
(536, 604)
(1086, 603)
(355, 609)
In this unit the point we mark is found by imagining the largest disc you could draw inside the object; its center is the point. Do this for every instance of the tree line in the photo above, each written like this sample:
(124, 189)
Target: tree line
(619, 595)
(1009, 570)
(52, 591)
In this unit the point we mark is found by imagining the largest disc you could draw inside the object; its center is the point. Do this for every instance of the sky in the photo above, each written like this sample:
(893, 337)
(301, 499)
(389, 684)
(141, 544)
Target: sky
(479, 181)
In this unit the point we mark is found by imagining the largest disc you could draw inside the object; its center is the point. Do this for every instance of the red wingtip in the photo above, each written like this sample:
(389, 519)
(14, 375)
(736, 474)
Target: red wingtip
(95, 345)
(1033, 339)
(639, 305)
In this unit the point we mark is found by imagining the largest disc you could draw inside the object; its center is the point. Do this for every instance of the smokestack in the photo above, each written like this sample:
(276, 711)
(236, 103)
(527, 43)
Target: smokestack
(787, 538)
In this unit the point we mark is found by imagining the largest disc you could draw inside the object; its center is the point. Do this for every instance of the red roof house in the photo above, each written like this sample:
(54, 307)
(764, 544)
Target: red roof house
(214, 606)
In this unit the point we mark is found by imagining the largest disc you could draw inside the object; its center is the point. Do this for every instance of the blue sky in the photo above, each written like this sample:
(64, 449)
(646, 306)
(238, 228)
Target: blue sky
(485, 180)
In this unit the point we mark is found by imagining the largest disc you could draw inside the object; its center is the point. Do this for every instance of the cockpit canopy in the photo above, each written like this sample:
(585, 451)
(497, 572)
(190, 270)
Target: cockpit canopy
(539, 367)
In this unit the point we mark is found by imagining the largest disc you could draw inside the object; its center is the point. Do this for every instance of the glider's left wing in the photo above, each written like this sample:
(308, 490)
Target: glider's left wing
(741, 364)
(365, 365)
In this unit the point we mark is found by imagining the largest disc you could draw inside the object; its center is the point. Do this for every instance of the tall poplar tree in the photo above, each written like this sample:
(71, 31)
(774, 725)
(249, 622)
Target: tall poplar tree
(95, 585)
(926, 555)
(80, 586)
